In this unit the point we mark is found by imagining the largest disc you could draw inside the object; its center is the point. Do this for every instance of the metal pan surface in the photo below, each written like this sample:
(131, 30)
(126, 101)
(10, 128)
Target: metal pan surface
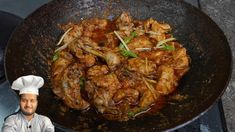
(31, 47)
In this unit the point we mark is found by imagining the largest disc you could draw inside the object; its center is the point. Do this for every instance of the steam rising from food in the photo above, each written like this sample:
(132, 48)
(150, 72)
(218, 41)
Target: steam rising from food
(121, 67)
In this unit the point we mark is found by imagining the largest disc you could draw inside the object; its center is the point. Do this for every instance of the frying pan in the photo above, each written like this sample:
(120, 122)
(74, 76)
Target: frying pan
(31, 47)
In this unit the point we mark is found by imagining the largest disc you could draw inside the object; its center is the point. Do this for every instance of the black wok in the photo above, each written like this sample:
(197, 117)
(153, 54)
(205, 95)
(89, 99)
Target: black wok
(31, 46)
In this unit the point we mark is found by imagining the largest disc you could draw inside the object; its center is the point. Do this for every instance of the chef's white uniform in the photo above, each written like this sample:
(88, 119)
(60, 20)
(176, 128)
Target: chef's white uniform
(18, 123)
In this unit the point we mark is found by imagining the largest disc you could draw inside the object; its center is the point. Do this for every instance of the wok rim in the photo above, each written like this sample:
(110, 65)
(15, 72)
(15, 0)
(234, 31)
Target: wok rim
(189, 120)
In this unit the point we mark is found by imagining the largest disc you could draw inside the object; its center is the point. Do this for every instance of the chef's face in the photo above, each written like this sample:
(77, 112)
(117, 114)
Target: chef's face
(28, 104)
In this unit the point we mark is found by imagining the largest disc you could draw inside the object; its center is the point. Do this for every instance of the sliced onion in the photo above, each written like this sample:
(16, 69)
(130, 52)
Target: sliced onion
(62, 37)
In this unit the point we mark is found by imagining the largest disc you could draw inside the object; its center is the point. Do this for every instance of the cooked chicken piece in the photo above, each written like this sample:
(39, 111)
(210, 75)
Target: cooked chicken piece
(86, 41)
(97, 71)
(139, 27)
(88, 60)
(96, 68)
(71, 87)
(102, 99)
(140, 42)
(124, 23)
(181, 62)
(141, 87)
(167, 81)
(112, 59)
(76, 32)
(159, 37)
(100, 23)
(94, 27)
(65, 58)
(109, 81)
(75, 49)
(58, 67)
(107, 86)
(130, 95)
(147, 99)
(90, 89)
(152, 25)
(127, 78)
(127, 82)
(101, 27)
(141, 66)
(158, 30)
(112, 40)
(157, 56)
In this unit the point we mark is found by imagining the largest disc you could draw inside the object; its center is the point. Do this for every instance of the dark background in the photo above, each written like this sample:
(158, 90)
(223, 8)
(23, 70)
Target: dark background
(221, 11)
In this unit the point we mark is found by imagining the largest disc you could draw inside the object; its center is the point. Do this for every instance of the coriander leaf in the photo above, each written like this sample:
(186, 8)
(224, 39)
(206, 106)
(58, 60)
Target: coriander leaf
(121, 46)
(82, 82)
(128, 39)
(131, 114)
(55, 56)
(168, 47)
(122, 41)
(137, 111)
(128, 53)
(134, 34)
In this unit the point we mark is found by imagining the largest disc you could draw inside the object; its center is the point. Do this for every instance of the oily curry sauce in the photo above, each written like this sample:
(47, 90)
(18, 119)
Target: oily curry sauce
(122, 68)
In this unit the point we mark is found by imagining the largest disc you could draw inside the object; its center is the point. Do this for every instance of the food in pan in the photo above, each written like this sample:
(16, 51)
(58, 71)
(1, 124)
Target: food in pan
(121, 67)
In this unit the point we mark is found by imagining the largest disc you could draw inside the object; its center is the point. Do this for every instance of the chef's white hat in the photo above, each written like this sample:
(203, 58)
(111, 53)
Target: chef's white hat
(28, 84)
